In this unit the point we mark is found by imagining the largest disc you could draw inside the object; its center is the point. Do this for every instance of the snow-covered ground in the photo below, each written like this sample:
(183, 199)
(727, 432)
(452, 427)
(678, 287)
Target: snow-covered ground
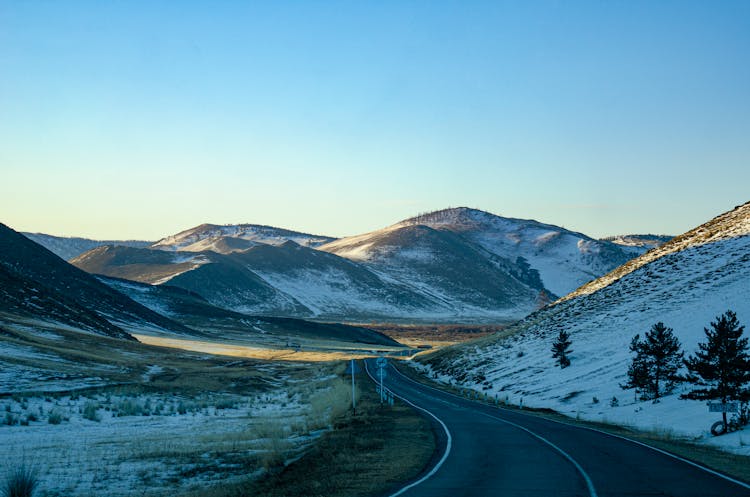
(685, 284)
(126, 444)
(96, 416)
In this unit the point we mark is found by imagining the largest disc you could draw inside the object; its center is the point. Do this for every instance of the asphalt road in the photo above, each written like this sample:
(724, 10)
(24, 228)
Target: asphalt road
(499, 452)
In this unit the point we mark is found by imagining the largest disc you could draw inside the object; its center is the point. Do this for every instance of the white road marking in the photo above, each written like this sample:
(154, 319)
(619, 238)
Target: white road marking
(579, 468)
(674, 456)
(448, 445)
(664, 452)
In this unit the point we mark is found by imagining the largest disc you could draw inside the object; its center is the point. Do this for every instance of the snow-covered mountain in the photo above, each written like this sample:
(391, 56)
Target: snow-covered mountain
(216, 277)
(70, 247)
(639, 244)
(234, 237)
(451, 265)
(564, 259)
(685, 283)
(215, 322)
(292, 280)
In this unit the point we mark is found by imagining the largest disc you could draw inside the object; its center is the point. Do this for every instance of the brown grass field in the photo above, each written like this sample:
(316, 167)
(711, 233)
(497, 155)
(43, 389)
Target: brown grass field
(436, 335)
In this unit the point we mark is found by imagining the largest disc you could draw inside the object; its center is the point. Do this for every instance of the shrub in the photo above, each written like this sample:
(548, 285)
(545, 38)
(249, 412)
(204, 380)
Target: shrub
(128, 407)
(10, 419)
(21, 482)
(90, 411)
(55, 417)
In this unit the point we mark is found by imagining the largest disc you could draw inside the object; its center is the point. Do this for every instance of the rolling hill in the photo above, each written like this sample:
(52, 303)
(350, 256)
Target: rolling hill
(563, 259)
(39, 284)
(70, 247)
(222, 324)
(639, 244)
(451, 265)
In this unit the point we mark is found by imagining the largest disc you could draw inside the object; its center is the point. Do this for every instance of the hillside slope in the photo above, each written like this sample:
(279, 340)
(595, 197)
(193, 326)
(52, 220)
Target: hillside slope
(218, 323)
(455, 265)
(28, 268)
(446, 267)
(685, 283)
(70, 247)
(563, 259)
(217, 277)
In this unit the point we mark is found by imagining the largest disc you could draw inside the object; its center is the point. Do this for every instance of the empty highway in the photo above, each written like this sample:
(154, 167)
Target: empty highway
(488, 451)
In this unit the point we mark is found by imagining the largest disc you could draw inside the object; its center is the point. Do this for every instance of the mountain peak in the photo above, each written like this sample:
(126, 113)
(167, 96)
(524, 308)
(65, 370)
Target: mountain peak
(449, 216)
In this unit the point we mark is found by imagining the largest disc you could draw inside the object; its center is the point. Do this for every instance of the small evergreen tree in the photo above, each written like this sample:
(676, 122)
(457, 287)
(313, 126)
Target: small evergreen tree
(561, 349)
(657, 359)
(638, 369)
(721, 366)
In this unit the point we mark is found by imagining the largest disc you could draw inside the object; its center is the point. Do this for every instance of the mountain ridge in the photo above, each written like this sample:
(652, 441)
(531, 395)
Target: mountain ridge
(456, 264)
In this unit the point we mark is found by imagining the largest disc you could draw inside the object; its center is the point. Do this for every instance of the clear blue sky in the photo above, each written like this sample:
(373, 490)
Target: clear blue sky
(126, 119)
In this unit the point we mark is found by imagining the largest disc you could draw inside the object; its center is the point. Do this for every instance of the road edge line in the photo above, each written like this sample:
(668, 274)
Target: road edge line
(586, 477)
(448, 444)
(661, 451)
(576, 465)
(667, 453)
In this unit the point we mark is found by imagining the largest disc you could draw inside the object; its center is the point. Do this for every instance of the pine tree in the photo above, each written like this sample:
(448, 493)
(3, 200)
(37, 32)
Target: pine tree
(721, 366)
(657, 359)
(561, 349)
(638, 369)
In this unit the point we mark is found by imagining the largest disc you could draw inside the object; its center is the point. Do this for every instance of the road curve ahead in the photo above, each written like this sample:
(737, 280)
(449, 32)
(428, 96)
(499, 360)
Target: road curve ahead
(505, 453)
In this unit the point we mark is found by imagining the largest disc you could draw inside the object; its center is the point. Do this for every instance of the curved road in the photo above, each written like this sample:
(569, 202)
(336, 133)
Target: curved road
(499, 452)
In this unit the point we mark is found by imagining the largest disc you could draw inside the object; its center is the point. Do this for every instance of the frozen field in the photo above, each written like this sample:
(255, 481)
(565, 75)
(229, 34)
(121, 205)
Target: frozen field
(93, 416)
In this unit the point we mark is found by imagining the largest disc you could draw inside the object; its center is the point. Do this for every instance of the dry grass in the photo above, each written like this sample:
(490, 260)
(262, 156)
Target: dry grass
(364, 455)
(435, 336)
(260, 353)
